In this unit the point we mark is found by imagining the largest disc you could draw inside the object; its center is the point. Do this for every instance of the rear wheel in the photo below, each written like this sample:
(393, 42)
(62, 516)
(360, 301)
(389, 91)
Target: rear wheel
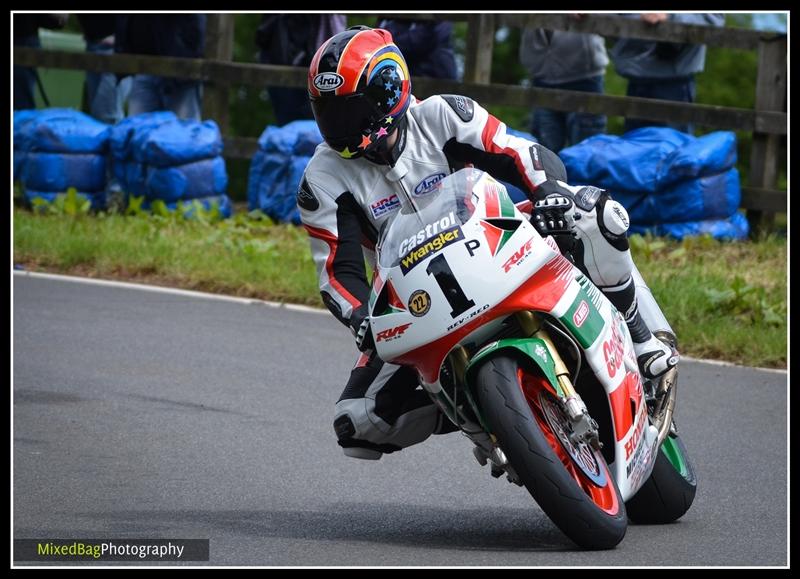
(669, 492)
(570, 482)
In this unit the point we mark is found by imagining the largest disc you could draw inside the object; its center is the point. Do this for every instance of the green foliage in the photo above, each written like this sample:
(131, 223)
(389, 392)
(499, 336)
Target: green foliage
(714, 314)
(192, 210)
(70, 204)
(645, 245)
(506, 67)
(747, 302)
(135, 206)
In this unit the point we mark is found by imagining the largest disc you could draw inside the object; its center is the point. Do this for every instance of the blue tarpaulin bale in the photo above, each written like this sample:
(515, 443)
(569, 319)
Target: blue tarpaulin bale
(123, 132)
(61, 148)
(134, 179)
(59, 171)
(710, 154)
(21, 118)
(734, 227)
(120, 144)
(64, 131)
(285, 203)
(277, 168)
(295, 138)
(648, 159)
(222, 202)
(711, 197)
(202, 178)
(97, 199)
(618, 163)
(177, 143)
(269, 173)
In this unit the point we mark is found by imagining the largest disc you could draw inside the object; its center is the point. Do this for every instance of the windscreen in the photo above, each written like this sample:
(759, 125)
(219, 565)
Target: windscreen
(433, 219)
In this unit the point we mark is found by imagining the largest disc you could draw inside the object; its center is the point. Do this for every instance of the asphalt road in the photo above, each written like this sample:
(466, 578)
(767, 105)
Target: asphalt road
(147, 415)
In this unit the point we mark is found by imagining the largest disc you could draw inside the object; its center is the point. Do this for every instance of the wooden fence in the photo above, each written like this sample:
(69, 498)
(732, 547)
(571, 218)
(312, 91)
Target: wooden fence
(767, 121)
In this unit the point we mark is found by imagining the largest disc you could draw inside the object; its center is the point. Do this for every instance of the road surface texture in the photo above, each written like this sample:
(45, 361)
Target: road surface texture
(148, 415)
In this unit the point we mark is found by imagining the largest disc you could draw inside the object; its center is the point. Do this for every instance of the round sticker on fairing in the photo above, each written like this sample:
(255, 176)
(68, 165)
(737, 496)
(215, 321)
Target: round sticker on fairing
(328, 81)
(419, 303)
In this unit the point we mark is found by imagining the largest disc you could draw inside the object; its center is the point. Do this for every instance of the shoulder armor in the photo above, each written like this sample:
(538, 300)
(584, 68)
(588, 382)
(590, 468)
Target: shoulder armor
(306, 198)
(462, 105)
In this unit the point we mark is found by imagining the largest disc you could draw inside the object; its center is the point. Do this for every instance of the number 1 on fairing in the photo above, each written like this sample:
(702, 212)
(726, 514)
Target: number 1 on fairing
(441, 272)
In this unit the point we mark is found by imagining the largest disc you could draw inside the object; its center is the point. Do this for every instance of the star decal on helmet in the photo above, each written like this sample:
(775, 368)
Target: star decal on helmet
(365, 142)
(346, 153)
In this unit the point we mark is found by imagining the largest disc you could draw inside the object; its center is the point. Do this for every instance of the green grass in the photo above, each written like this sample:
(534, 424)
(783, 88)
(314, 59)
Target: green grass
(241, 256)
(725, 300)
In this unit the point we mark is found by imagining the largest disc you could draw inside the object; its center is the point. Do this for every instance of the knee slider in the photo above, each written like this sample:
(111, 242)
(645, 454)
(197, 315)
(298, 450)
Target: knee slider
(344, 427)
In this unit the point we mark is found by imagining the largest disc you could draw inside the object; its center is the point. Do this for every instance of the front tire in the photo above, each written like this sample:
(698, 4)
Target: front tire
(669, 491)
(572, 484)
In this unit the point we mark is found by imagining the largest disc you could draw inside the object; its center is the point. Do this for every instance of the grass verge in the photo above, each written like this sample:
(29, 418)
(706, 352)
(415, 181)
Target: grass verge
(726, 301)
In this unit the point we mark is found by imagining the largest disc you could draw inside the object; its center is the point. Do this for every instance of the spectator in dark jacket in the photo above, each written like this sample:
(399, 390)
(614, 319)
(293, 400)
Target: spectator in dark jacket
(106, 97)
(26, 33)
(426, 45)
(568, 61)
(179, 35)
(292, 40)
(662, 70)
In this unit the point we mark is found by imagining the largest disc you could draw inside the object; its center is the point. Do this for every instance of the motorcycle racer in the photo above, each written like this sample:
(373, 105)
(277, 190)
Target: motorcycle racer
(384, 147)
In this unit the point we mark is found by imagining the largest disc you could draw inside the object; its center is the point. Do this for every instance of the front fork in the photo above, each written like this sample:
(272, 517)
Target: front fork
(584, 429)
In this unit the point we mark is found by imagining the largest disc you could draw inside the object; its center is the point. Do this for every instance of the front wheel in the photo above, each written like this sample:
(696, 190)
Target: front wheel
(669, 491)
(571, 483)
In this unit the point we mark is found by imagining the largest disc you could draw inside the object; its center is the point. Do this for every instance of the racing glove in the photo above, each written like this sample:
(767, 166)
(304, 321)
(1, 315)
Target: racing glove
(553, 216)
(362, 331)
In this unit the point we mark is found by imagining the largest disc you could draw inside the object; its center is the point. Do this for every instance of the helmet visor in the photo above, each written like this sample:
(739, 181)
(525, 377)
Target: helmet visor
(343, 120)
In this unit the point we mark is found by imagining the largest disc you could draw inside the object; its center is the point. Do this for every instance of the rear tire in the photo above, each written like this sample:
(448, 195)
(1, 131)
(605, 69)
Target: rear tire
(669, 492)
(521, 411)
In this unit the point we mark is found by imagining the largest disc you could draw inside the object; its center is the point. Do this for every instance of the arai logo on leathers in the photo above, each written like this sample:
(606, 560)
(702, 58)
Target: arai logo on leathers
(428, 184)
(328, 81)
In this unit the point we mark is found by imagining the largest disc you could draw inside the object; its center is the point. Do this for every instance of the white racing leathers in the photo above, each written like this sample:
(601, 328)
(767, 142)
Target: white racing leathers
(344, 202)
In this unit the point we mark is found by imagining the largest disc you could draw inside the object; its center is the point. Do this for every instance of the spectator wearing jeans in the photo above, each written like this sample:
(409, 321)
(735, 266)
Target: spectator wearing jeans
(568, 61)
(662, 70)
(106, 97)
(26, 33)
(178, 35)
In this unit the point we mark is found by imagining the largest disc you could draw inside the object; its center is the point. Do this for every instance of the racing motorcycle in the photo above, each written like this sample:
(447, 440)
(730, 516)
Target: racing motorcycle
(530, 360)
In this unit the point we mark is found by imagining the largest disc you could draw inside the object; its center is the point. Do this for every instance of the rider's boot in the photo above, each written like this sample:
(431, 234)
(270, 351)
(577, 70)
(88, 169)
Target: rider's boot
(654, 356)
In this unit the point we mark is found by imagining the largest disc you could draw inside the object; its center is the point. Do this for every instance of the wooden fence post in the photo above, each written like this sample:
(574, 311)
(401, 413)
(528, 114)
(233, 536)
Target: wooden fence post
(219, 46)
(480, 43)
(765, 151)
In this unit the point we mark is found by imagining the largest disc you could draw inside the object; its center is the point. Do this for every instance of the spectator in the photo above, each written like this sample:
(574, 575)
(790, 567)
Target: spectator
(662, 70)
(292, 40)
(568, 61)
(26, 33)
(427, 46)
(105, 95)
(178, 35)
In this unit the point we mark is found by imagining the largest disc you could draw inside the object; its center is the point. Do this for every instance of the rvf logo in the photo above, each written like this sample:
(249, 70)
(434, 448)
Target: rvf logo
(392, 333)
